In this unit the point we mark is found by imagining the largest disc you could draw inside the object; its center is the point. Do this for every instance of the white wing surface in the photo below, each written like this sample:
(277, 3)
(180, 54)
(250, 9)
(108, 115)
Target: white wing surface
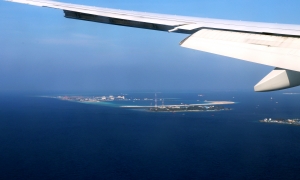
(270, 44)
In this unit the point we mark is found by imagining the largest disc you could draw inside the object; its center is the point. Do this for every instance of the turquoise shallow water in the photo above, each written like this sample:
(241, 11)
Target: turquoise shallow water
(44, 138)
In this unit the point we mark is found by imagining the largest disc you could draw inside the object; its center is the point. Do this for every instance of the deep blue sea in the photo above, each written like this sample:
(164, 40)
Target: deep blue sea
(44, 138)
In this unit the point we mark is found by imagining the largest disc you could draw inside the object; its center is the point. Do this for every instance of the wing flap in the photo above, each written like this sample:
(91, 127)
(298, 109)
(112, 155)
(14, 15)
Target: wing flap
(277, 51)
(240, 28)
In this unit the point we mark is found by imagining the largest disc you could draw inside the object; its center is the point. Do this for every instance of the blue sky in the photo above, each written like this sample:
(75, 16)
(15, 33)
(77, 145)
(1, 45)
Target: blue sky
(43, 51)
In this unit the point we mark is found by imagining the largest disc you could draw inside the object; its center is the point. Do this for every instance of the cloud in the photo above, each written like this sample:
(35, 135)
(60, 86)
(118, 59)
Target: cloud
(72, 39)
(83, 36)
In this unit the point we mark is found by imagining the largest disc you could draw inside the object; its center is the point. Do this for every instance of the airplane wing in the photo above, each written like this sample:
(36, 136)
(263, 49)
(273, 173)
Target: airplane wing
(276, 45)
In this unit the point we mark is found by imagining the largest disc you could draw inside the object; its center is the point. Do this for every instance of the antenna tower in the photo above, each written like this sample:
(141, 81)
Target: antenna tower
(155, 100)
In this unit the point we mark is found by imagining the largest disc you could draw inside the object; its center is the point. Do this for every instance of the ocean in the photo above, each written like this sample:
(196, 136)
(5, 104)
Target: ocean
(46, 138)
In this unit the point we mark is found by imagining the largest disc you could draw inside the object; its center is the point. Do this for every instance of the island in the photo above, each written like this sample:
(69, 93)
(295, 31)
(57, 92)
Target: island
(192, 108)
(282, 121)
(164, 107)
(92, 99)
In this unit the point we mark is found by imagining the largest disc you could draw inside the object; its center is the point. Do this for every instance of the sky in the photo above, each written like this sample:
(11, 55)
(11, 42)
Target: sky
(43, 51)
